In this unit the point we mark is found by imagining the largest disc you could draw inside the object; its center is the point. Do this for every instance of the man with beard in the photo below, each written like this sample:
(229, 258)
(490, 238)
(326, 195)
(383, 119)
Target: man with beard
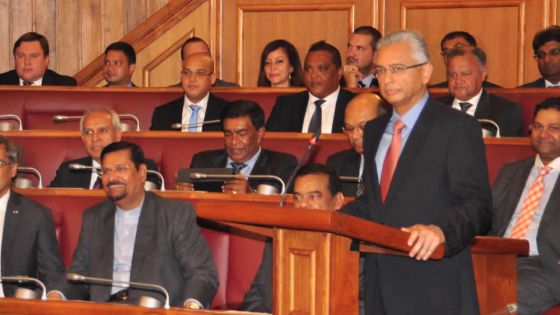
(140, 237)
(359, 58)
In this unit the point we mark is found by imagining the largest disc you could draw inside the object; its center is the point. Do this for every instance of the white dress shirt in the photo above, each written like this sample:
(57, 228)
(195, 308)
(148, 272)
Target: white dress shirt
(38, 82)
(327, 111)
(473, 101)
(94, 175)
(187, 112)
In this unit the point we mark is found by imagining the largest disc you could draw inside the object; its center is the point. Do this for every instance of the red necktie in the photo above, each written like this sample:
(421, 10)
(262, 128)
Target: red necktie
(530, 205)
(391, 159)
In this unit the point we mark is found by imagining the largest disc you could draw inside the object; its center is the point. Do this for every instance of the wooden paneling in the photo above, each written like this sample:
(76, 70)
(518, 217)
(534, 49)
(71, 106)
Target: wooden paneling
(78, 30)
(504, 29)
(248, 25)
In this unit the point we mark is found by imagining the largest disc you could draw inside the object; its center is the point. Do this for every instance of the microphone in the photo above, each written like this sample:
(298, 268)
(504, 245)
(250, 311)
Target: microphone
(187, 126)
(158, 174)
(197, 175)
(22, 279)
(12, 117)
(353, 179)
(140, 285)
(64, 118)
(509, 309)
(131, 117)
(27, 169)
(493, 124)
(77, 166)
(312, 143)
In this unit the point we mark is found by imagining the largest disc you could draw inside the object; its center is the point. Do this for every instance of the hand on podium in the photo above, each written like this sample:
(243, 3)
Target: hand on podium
(424, 239)
(54, 295)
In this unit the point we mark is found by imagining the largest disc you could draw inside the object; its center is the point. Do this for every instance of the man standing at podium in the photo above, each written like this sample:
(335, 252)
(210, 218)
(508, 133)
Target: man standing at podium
(424, 173)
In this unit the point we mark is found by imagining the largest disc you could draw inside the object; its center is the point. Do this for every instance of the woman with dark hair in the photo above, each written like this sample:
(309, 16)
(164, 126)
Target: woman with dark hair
(280, 65)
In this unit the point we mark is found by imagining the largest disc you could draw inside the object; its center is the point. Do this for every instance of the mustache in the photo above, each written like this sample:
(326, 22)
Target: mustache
(351, 59)
(115, 183)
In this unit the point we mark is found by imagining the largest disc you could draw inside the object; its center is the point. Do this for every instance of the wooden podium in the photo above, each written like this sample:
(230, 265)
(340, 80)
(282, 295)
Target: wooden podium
(315, 272)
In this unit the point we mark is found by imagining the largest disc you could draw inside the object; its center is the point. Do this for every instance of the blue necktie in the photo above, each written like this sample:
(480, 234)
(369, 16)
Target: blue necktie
(193, 122)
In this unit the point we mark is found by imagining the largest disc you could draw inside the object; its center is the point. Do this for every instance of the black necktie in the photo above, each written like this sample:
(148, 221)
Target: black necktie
(98, 183)
(237, 167)
(465, 106)
(27, 83)
(361, 84)
(361, 188)
(315, 123)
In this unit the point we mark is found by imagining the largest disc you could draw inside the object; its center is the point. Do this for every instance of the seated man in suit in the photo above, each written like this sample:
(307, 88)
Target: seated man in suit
(316, 187)
(120, 62)
(321, 107)
(546, 45)
(243, 124)
(196, 45)
(457, 39)
(31, 55)
(198, 105)
(27, 234)
(99, 127)
(359, 58)
(137, 236)
(466, 71)
(361, 109)
(526, 206)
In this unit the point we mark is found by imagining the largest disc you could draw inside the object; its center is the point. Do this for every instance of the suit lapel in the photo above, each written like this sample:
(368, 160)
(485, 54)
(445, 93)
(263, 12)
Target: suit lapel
(220, 160)
(144, 241)
(300, 111)
(483, 106)
(105, 251)
(372, 139)
(338, 120)
(11, 223)
(260, 164)
(414, 143)
(517, 181)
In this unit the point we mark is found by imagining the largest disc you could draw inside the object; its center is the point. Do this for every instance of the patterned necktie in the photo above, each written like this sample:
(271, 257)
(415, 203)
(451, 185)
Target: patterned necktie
(98, 183)
(465, 106)
(530, 205)
(193, 122)
(316, 119)
(26, 83)
(391, 160)
(361, 188)
(237, 167)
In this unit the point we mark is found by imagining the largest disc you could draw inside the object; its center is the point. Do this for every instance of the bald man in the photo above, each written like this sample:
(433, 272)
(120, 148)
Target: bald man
(198, 105)
(360, 110)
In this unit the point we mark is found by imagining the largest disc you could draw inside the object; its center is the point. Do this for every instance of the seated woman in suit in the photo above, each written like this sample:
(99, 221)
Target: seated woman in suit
(280, 65)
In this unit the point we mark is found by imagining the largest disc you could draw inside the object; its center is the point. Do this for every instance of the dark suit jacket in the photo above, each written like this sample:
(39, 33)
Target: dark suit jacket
(268, 163)
(485, 84)
(346, 163)
(505, 112)
(171, 113)
(169, 250)
(29, 245)
(259, 296)
(506, 194)
(539, 83)
(65, 177)
(50, 78)
(440, 179)
(289, 111)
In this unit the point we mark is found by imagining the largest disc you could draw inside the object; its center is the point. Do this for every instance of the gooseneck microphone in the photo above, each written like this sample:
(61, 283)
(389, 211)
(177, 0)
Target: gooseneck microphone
(352, 179)
(77, 166)
(12, 117)
(492, 123)
(32, 170)
(198, 175)
(26, 279)
(312, 143)
(187, 126)
(139, 285)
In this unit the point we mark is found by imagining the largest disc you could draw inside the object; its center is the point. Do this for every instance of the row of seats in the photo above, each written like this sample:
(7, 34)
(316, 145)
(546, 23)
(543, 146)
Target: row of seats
(37, 105)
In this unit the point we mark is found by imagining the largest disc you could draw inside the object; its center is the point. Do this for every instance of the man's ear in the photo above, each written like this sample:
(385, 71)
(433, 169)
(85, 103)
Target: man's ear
(338, 200)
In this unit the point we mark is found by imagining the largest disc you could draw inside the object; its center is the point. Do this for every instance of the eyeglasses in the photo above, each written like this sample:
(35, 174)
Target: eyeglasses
(553, 128)
(119, 169)
(99, 131)
(552, 53)
(4, 163)
(394, 69)
(349, 129)
(198, 74)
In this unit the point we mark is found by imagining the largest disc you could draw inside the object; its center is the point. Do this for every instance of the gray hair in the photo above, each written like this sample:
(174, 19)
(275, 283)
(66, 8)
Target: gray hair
(115, 120)
(478, 53)
(413, 38)
(12, 150)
